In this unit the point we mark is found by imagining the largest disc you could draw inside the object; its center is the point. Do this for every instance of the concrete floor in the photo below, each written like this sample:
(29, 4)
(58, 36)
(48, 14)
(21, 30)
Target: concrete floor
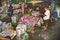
(52, 33)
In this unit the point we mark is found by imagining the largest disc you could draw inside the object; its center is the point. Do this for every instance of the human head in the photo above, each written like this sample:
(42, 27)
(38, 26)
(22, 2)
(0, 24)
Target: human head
(50, 7)
(46, 8)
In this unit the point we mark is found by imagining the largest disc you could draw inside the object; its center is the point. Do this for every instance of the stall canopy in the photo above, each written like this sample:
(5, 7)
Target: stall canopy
(58, 0)
(35, 1)
(27, 1)
(16, 1)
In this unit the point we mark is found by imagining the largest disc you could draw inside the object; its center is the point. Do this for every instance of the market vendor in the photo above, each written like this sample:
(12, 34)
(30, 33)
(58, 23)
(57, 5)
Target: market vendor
(10, 10)
(46, 17)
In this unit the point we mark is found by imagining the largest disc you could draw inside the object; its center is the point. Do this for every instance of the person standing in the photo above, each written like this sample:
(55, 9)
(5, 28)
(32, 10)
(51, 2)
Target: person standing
(51, 13)
(10, 10)
(46, 17)
(20, 10)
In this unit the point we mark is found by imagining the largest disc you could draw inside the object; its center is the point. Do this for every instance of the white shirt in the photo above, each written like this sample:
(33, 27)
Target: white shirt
(47, 13)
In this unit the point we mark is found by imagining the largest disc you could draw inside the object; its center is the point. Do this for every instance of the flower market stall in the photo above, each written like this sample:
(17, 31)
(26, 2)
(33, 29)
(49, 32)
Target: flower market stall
(30, 21)
(25, 23)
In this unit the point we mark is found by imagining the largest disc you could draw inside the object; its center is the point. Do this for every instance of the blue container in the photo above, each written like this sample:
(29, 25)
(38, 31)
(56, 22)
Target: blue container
(55, 15)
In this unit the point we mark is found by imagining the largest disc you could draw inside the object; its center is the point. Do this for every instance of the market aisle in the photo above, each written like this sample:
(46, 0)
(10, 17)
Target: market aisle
(52, 33)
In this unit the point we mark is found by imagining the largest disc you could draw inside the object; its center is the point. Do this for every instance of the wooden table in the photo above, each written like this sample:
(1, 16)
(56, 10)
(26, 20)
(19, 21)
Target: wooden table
(12, 35)
(2, 38)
